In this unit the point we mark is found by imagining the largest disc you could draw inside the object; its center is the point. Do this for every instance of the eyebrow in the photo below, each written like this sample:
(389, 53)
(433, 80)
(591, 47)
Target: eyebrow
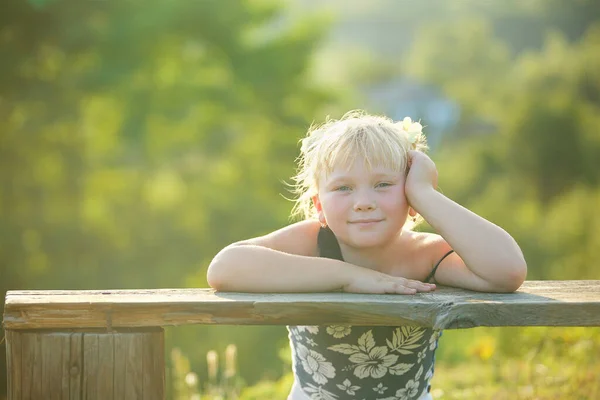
(345, 178)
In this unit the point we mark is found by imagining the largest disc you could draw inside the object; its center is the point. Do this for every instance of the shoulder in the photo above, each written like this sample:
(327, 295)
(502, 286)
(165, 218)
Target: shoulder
(423, 251)
(452, 270)
(434, 247)
(299, 238)
(429, 246)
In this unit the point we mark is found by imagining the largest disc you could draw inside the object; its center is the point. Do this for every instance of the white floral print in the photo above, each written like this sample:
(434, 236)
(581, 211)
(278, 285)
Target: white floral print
(408, 392)
(348, 388)
(338, 331)
(315, 364)
(421, 356)
(405, 339)
(380, 388)
(308, 328)
(338, 362)
(429, 374)
(297, 331)
(419, 373)
(318, 393)
(433, 340)
(373, 361)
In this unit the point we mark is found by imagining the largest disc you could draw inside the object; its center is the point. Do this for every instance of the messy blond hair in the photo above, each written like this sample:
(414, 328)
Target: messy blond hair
(377, 140)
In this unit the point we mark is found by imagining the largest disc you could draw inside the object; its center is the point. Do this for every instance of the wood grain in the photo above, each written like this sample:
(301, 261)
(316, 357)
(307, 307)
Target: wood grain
(536, 303)
(68, 365)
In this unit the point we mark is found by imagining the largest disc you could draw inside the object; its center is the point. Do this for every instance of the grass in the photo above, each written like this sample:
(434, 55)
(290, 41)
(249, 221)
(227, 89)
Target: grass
(517, 379)
(520, 363)
(482, 363)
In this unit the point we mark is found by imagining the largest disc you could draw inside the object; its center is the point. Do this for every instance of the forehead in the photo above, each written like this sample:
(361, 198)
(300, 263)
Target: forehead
(359, 150)
(363, 149)
(359, 169)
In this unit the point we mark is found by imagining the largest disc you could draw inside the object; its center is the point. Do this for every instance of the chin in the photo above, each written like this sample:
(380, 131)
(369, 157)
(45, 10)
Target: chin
(369, 240)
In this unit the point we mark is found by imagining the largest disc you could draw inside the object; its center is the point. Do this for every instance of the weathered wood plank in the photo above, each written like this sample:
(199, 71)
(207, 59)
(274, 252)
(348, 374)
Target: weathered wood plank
(537, 303)
(91, 365)
(132, 368)
(119, 383)
(14, 362)
(67, 365)
(75, 367)
(38, 365)
(52, 359)
(31, 379)
(106, 360)
(153, 360)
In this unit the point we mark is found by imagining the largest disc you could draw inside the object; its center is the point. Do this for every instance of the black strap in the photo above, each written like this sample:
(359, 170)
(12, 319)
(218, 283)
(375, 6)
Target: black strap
(328, 245)
(432, 273)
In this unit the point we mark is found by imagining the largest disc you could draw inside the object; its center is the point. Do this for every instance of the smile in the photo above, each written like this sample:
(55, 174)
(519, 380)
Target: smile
(365, 221)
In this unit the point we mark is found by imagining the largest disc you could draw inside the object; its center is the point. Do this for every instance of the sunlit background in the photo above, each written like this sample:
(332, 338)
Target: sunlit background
(138, 138)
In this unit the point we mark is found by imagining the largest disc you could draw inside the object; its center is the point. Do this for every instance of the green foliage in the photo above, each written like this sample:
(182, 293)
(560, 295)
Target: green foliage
(524, 363)
(139, 138)
(527, 151)
(482, 363)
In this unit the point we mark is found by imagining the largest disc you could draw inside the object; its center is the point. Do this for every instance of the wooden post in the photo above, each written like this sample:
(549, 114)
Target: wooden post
(75, 364)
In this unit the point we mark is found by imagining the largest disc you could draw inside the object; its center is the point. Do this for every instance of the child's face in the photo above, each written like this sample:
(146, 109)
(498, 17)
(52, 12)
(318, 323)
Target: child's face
(363, 207)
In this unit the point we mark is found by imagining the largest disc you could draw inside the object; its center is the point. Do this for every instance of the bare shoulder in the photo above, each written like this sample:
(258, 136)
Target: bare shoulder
(421, 252)
(451, 270)
(299, 238)
(434, 245)
(427, 244)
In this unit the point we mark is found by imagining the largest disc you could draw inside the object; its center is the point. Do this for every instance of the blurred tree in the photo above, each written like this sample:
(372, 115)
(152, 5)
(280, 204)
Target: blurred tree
(527, 151)
(139, 138)
(545, 105)
(523, 25)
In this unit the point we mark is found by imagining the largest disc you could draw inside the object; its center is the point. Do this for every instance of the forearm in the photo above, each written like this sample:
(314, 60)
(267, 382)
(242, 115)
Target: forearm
(487, 250)
(250, 268)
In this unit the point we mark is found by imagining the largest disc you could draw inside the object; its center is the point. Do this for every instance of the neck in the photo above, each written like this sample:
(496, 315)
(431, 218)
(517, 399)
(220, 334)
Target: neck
(379, 258)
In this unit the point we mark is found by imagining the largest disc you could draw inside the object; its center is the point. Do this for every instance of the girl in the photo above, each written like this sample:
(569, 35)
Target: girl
(361, 183)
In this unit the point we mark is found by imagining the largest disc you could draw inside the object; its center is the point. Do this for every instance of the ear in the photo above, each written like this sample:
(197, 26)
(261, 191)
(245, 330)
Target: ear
(317, 203)
(412, 212)
(319, 208)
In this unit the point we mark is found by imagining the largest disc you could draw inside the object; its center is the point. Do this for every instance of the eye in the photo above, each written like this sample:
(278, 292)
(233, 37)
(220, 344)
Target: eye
(342, 188)
(383, 184)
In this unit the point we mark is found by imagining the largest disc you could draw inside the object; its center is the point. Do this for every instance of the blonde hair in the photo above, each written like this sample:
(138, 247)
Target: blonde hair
(377, 140)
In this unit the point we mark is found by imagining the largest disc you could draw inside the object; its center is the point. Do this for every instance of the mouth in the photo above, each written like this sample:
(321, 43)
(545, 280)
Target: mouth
(369, 221)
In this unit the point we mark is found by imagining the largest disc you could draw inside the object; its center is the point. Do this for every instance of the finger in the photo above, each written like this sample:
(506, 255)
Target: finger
(398, 288)
(420, 286)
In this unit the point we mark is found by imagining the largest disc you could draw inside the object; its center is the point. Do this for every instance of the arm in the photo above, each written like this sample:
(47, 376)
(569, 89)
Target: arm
(253, 268)
(285, 261)
(488, 258)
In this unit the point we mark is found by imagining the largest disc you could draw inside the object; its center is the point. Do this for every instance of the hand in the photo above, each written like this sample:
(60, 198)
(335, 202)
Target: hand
(422, 175)
(380, 283)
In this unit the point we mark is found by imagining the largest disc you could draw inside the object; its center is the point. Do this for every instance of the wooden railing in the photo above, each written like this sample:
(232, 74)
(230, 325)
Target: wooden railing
(109, 344)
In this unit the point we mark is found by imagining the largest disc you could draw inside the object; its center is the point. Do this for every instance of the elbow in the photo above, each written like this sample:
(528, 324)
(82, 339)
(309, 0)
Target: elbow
(225, 271)
(514, 278)
(517, 270)
(218, 270)
(214, 275)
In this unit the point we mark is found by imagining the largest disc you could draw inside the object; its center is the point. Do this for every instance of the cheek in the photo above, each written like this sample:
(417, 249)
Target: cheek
(394, 199)
(335, 203)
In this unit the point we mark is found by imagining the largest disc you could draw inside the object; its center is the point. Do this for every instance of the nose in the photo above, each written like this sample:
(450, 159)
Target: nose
(364, 202)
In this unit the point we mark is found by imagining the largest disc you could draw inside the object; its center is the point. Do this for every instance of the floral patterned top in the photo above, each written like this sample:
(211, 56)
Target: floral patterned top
(361, 362)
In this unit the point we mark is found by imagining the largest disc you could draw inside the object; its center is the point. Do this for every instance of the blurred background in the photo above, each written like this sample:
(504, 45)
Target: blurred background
(138, 138)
